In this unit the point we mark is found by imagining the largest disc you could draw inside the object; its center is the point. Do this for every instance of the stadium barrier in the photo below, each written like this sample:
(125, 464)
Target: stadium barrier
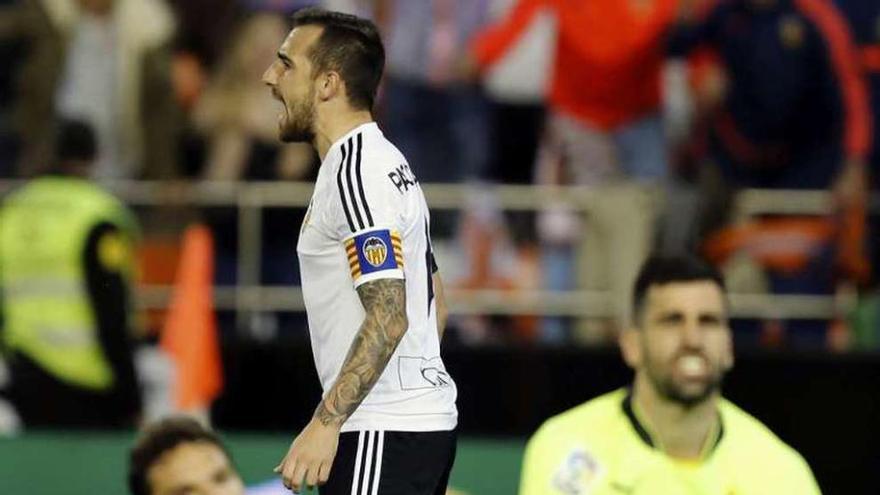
(250, 198)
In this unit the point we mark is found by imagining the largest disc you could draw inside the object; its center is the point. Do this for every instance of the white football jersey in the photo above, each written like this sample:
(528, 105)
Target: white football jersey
(368, 220)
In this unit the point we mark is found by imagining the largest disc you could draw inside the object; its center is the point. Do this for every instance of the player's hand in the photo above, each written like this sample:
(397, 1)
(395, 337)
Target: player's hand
(310, 457)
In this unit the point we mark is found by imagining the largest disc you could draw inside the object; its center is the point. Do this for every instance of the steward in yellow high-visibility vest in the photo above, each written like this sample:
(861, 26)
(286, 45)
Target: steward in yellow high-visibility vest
(65, 273)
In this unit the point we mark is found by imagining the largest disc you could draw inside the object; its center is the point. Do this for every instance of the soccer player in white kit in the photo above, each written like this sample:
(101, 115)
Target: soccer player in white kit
(386, 422)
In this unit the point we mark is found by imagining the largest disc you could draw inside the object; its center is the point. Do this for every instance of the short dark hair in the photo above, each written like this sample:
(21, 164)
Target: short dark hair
(159, 438)
(660, 270)
(350, 45)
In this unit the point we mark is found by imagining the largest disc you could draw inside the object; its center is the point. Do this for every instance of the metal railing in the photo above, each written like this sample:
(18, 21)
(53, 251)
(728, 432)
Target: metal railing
(250, 198)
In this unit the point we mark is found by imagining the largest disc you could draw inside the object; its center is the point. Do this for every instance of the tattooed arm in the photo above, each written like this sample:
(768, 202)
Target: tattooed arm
(310, 457)
(385, 324)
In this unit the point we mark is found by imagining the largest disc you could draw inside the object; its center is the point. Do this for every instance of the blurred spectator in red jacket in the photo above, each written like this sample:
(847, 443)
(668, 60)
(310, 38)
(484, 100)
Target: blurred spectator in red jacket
(604, 129)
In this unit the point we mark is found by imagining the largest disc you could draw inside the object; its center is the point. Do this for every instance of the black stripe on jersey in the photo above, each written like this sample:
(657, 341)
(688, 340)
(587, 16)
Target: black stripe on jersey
(720, 432)
(351, 196)
(634, 421)
(361, 182)
(342, 191)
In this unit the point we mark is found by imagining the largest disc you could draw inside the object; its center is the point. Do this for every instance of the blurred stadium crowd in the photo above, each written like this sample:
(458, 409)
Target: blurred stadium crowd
(690, 101)
(573, 138)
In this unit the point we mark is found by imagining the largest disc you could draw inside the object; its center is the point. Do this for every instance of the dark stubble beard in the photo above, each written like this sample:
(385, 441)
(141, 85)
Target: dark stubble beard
(298, 127)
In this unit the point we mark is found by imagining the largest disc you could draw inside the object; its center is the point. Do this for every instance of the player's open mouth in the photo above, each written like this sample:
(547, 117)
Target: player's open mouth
(283, 111)
(692, 366)
(277, 96)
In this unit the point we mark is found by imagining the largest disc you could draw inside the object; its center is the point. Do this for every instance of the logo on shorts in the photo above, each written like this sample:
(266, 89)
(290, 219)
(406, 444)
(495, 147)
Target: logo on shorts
(375, 251)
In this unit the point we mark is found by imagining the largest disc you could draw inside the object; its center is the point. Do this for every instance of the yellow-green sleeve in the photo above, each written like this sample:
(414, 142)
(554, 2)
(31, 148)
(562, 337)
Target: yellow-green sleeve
(802, 478)
(787, 472)
(537, 465)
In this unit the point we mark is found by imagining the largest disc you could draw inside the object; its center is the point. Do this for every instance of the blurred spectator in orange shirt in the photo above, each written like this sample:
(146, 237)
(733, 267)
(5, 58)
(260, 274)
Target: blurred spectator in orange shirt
(608, 56)
(604, 130)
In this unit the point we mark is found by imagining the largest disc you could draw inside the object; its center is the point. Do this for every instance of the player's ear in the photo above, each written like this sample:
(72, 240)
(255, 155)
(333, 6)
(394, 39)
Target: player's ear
(630, 346)
(329, 85)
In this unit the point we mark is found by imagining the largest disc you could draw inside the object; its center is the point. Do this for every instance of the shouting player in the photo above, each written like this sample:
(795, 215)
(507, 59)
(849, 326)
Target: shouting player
(386, 422)
(672, 432)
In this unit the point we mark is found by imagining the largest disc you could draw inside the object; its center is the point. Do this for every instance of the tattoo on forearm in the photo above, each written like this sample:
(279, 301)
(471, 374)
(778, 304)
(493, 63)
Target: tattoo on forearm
(385, 323)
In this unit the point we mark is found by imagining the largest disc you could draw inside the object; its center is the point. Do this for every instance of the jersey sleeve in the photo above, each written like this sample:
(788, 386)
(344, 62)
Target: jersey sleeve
(536, 466)
(550, 466)
(372, 216)
(107, 261)
(799, 477)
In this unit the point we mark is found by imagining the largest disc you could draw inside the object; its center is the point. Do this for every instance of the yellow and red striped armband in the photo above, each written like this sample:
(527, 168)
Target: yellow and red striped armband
(374, 251)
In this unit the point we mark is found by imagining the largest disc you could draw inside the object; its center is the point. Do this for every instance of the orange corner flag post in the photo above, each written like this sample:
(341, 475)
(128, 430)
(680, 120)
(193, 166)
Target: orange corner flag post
(190, 332)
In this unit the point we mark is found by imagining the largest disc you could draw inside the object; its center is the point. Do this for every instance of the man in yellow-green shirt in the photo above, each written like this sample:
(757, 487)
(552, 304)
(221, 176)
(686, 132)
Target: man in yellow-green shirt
(671, 433)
